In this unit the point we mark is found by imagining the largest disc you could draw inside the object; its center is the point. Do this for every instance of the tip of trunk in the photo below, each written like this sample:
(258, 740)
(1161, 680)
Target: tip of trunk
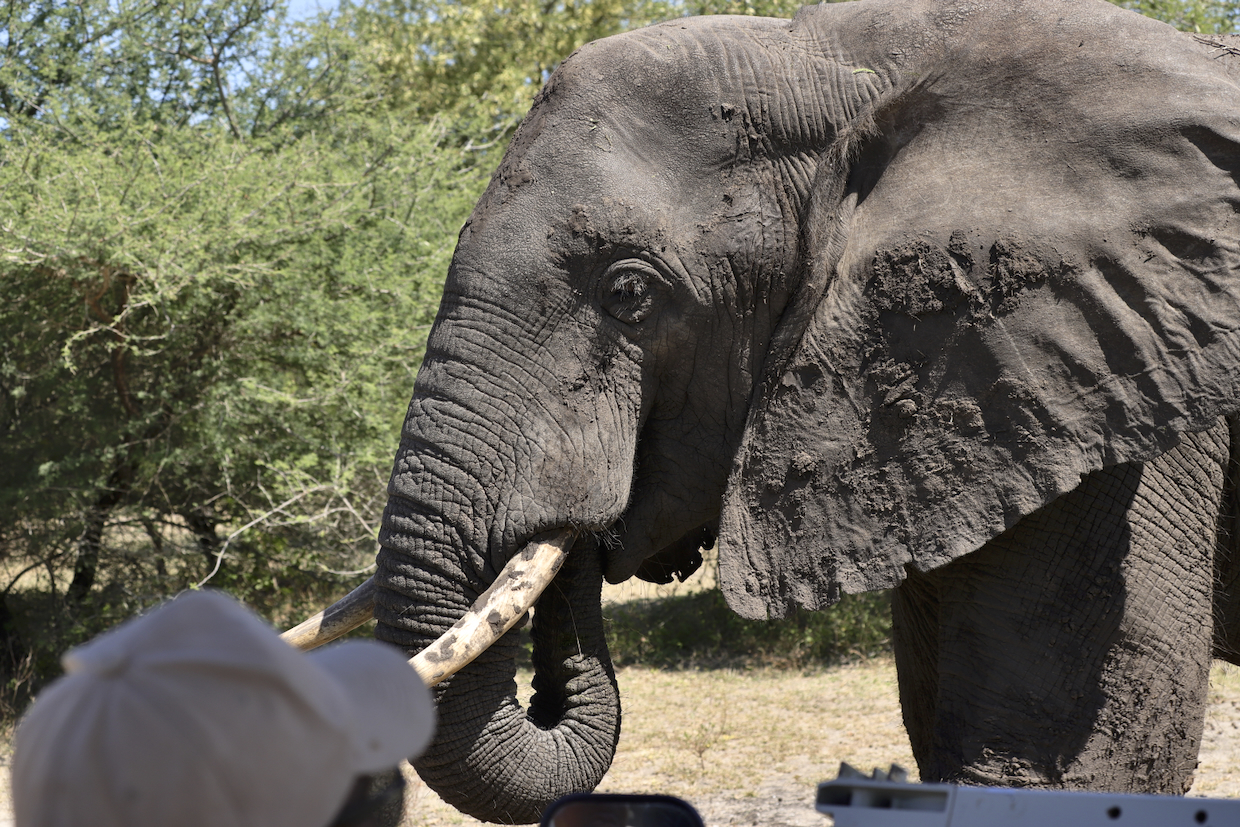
(491, 758)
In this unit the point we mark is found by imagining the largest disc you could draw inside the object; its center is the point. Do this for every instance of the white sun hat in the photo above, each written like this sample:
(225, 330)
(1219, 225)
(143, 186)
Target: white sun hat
(198, 714)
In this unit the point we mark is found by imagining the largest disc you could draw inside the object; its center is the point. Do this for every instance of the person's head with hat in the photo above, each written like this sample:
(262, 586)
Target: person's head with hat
(198, 714)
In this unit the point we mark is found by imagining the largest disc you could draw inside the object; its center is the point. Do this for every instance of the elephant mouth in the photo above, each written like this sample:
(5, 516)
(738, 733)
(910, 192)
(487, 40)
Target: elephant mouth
(496, 610)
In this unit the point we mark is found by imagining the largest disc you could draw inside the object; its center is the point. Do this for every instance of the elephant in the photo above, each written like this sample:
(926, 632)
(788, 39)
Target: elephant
(941, 296)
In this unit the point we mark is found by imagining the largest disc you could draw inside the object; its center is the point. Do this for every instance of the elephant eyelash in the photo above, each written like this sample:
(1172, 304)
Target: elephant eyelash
(629, 298)
(631, 286)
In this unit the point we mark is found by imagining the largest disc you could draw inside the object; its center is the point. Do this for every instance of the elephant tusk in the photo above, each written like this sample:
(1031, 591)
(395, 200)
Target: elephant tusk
(340, 618)
(497, 610)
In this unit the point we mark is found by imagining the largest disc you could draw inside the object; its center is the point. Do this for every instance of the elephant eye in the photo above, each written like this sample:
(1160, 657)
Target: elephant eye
(629, 296)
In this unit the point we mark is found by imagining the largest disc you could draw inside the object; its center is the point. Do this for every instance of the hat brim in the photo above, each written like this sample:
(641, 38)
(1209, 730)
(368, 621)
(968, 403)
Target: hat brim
(393, 714)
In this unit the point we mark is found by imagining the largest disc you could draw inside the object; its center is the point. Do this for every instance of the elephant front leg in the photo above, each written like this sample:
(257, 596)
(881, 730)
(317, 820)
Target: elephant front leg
(1074, 650)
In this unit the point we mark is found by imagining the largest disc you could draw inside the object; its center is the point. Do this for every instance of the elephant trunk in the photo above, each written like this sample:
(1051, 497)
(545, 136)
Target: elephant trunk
(491, 758)
(490, 460)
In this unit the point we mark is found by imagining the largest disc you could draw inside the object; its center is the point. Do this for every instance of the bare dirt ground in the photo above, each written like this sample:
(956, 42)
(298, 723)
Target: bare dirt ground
(749, 748)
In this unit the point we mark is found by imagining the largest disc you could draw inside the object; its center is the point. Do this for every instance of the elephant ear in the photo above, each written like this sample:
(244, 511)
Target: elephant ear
(1030, 271)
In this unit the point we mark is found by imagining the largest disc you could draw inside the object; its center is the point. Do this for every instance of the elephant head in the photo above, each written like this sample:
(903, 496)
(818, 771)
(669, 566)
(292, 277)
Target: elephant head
(854, 292)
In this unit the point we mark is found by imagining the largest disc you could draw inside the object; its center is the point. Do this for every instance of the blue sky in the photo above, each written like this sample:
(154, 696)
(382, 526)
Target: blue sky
(301, 9)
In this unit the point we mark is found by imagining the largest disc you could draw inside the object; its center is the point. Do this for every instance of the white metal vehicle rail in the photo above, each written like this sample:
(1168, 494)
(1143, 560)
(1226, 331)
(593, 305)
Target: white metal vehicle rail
(888, 800)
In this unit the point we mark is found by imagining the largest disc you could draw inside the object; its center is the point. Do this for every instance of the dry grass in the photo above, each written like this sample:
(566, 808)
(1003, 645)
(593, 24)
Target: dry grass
(739, 744)
(1218, 773)
(701, 735)
(748, 748)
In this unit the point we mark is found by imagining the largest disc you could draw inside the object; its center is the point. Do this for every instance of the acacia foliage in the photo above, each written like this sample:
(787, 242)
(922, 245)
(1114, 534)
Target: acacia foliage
(483, 62)
(1199, 16)
(219, 255)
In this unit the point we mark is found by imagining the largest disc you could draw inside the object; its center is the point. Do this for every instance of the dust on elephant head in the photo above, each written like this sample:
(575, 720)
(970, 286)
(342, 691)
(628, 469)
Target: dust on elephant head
(856, 292)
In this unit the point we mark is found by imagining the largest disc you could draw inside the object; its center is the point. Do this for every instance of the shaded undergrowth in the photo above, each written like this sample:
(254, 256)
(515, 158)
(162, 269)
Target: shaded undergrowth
(683, 631)
(700, 631)
(38, 625)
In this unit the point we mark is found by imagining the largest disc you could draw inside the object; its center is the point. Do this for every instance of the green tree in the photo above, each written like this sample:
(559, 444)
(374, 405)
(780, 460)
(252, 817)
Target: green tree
(1200, 16)
(483, 62)
(211, 309)
(760, 8)
(137, 59)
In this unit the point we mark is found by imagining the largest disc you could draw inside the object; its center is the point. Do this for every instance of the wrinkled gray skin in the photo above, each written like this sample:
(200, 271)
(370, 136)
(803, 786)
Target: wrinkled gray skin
(941, 294)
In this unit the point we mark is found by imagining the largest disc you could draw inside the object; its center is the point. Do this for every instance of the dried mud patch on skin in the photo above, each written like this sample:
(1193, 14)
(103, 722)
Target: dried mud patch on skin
(768, 738)
(916, 279)
(919, 278)
(931, 307)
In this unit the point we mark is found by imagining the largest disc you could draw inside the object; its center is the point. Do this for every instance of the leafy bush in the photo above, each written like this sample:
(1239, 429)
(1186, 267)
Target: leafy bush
(218, 266)
(699, 630)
